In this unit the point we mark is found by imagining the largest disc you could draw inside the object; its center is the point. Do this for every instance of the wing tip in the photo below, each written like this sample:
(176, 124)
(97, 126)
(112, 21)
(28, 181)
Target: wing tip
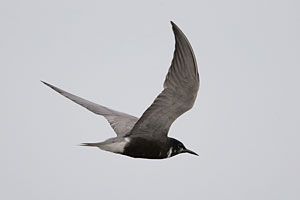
(48, 84)
(53, 87)
(175, 28)
(44, 82)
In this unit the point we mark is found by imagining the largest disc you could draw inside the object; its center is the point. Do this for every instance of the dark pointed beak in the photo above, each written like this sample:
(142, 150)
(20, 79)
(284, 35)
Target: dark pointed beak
(189, 151)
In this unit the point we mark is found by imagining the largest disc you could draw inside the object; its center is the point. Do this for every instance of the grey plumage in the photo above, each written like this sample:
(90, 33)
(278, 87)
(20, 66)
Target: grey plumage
(122, 123)
(146, 137)
(179, 93)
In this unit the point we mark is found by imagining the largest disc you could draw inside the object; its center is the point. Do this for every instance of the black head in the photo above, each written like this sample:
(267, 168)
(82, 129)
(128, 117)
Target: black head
(178, 147)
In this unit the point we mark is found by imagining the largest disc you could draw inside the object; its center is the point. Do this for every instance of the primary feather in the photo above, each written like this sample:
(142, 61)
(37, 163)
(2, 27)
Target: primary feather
(180, 91)
(122, 123)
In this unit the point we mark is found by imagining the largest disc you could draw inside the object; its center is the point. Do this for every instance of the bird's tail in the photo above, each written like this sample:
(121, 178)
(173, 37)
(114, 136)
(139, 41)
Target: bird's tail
(89, 144)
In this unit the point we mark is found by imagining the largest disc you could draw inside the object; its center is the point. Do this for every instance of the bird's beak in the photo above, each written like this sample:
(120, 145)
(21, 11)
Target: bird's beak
(189, 151)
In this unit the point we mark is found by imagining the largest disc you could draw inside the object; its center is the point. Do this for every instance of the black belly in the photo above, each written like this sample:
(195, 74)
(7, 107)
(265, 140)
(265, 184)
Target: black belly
(146, 148)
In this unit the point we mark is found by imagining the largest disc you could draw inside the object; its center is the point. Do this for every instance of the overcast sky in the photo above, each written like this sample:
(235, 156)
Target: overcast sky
(244, 124)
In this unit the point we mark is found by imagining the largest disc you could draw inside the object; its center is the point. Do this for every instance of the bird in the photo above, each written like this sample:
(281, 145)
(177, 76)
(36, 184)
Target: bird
(147, 137)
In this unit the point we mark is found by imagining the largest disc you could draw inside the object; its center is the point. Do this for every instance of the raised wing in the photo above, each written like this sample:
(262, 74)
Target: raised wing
(122, 123)
(179, 93)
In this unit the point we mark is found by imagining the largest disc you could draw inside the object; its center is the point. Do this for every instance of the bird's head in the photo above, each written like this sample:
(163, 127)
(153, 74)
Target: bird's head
(176, 147)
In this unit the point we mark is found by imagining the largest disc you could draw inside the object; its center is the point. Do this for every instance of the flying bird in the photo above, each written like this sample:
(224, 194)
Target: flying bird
(147, 136)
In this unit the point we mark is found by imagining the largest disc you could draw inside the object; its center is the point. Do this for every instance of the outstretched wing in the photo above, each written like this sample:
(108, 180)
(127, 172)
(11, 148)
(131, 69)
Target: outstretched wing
(122, 123)
(179, 93)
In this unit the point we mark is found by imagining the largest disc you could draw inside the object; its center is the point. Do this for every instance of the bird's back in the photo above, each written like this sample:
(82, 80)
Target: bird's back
(145, 146)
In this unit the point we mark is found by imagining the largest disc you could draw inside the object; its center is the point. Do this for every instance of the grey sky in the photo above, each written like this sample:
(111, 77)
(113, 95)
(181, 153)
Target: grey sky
(244, 123)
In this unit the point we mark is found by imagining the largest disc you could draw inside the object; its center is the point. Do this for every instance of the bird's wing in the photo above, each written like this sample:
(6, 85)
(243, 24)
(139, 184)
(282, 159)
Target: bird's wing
(179, 93)
(122, 123)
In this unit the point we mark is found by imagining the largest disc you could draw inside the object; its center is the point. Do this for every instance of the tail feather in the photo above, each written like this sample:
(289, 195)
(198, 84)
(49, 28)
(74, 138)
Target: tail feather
(89, 144)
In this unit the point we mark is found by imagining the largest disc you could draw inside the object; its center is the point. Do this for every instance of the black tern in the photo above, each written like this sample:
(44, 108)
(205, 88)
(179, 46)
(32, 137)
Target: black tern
(147, 136)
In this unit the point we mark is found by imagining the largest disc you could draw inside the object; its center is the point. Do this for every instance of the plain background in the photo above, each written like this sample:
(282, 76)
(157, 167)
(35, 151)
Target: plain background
(244, 124)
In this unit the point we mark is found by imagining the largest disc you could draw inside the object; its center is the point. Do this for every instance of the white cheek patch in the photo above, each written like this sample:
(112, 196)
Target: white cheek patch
(116, 147)
(169, 152)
